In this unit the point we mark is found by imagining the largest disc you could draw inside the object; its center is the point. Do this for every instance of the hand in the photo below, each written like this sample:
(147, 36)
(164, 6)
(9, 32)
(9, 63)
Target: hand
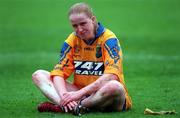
(70, 106)
(69, 97)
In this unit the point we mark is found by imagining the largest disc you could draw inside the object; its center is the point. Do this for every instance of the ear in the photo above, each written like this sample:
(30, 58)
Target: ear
(93, 18)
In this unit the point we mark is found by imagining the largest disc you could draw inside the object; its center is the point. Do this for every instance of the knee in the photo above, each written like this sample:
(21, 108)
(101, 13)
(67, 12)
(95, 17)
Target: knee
(37, 75)
(114, 88)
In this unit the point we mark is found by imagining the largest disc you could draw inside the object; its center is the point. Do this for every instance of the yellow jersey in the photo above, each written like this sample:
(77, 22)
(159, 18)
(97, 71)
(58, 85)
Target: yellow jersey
(90, 60)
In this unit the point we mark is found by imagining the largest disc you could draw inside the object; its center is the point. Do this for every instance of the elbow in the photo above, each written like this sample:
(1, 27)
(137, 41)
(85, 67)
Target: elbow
(57, 79)
(113, 77)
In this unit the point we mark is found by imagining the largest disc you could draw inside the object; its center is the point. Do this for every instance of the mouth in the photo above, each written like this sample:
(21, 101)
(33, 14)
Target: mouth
(83, 34)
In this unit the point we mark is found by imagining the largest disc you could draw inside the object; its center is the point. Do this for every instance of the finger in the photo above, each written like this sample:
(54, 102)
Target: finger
(72, 105)
(75, 103)
(66, 101)
(65, 95)
(69, 106)
(66, 109)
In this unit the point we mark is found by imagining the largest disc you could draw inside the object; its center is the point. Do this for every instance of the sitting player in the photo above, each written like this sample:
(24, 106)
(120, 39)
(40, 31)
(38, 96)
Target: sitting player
(93, 54)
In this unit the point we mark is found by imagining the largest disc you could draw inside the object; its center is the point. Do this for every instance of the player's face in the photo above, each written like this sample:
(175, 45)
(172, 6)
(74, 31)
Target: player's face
(83, 25)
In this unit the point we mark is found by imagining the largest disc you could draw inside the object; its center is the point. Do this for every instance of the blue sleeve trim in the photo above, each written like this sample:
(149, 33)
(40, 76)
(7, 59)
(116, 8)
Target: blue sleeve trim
(65, 49)
(113, 48)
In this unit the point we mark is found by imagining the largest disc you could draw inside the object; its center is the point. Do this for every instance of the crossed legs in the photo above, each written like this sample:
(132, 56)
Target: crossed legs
(112, 94)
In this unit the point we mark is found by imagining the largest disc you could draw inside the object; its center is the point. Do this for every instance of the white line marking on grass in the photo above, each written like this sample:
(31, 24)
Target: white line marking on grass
(48, 55)
(151, 57)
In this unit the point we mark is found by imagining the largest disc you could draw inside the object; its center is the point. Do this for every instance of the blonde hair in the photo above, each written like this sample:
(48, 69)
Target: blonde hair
(79, 8)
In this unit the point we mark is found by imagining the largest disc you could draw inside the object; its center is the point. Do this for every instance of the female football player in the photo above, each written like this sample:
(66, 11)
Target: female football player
(93, 54)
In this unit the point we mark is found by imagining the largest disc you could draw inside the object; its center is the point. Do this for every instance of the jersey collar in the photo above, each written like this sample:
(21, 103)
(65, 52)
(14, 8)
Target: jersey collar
(99, 30)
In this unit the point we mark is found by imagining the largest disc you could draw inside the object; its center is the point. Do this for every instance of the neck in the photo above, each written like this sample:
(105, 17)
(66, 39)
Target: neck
(89, 41)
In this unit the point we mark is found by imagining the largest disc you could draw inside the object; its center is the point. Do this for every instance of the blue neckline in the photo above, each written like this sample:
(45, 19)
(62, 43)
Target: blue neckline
(99, 30)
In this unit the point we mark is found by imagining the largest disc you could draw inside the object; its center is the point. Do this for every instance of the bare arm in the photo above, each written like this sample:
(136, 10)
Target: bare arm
(93, 87)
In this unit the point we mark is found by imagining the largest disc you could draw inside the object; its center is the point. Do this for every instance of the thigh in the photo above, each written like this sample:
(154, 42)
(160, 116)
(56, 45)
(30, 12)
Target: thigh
(45, 77)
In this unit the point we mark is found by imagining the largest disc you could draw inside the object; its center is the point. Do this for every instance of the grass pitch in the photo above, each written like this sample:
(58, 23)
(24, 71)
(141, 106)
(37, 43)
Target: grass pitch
(32, 32)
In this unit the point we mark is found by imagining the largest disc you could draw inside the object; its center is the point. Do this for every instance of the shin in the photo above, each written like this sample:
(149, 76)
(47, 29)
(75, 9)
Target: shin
(41, 79)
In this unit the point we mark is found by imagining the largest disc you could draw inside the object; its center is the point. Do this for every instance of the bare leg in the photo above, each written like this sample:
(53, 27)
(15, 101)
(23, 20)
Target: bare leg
(112, 95)
(41, 79)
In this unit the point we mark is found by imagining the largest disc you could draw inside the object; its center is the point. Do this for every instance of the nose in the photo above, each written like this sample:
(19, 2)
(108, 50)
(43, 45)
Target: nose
(80, 29)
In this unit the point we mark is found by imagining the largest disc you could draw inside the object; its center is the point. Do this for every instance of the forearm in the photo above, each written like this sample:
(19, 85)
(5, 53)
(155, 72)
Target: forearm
(93, 87)
(59, 84)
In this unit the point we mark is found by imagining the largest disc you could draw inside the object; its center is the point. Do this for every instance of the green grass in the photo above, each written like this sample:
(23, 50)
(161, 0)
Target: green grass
(32, 32)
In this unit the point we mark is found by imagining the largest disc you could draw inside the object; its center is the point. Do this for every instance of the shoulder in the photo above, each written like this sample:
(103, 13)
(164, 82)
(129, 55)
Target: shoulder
(108, 36)
(71, 39)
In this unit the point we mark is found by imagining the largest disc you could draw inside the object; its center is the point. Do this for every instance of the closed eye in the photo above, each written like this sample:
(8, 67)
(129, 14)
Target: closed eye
(74, 25)
(83, 23)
